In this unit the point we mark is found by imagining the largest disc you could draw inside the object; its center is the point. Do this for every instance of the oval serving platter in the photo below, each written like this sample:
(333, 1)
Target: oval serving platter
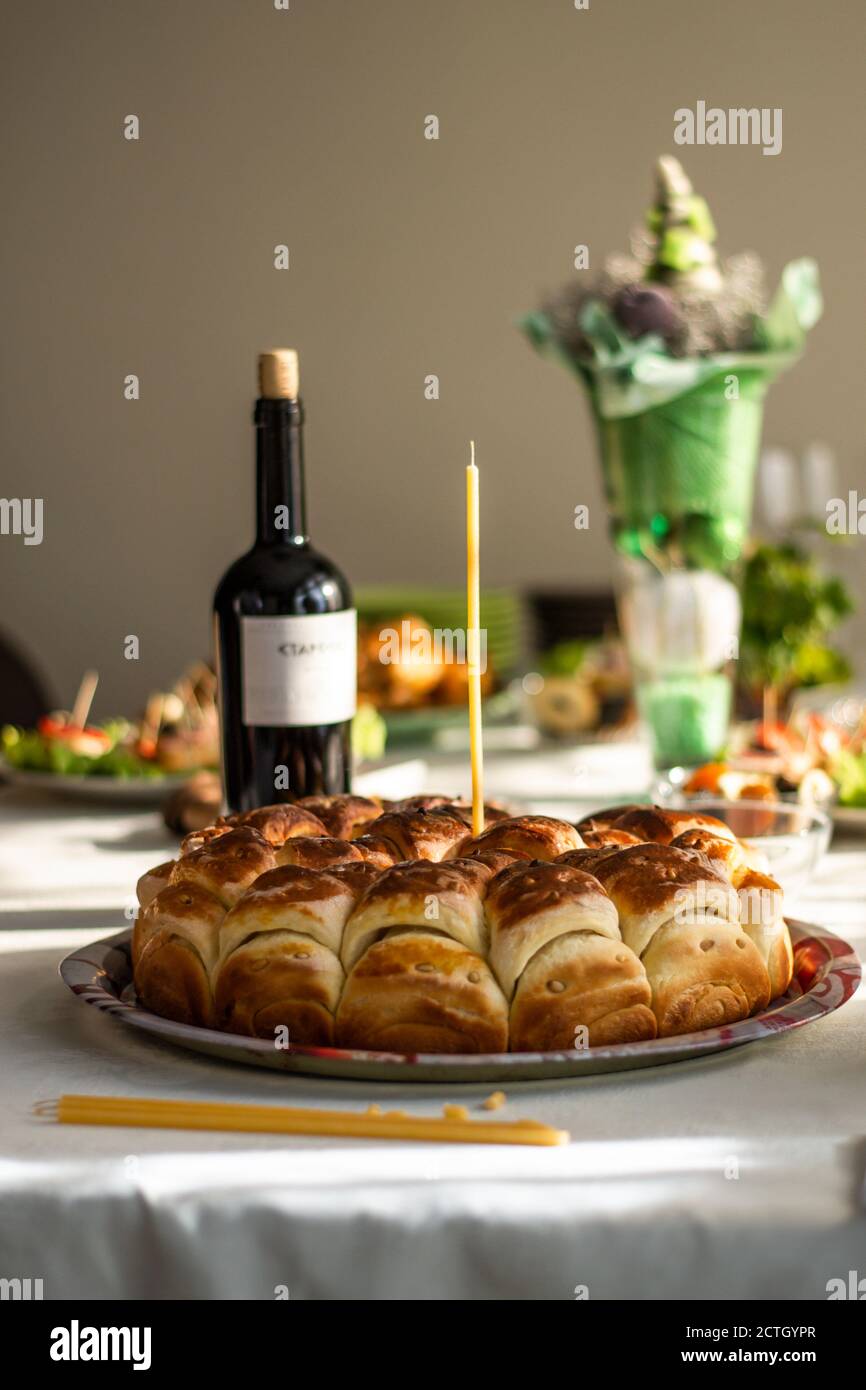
(826, 975)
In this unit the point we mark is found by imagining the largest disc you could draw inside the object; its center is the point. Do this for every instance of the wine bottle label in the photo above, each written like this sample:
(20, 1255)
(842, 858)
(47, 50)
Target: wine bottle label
(299, 671)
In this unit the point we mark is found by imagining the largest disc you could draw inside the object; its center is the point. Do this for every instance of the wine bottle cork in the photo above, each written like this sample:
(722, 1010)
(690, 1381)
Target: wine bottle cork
(278, 374)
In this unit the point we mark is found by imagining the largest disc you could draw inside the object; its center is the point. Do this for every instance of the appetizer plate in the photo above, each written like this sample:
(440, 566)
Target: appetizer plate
(131, 791)
(826, 975)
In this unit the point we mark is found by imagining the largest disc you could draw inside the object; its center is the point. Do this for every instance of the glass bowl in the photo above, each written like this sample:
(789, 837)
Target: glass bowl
(794, 838)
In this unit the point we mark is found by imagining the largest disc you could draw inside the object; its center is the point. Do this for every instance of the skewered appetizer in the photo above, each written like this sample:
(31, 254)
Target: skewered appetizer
(392, 928)
(179, 732)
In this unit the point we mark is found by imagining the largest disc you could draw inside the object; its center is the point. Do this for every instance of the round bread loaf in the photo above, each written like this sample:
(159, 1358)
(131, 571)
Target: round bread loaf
(339, 922)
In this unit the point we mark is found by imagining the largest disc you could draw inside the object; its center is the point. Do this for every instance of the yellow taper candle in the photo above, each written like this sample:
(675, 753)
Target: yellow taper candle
(473, 644)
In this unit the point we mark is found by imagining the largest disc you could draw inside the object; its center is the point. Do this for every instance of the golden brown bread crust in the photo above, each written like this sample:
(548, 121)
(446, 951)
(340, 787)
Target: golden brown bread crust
(609, 839)
(581, 990)
(445, 898)
(426, 801)
(761, 917)
(309, 902)
(726, 855)
(417, 992)
(652, 884)
(357, 877)
(174, 944)
(586, 859)
(228, 865)
(277, 823)
(425, 834)
(703, 975)
(318, 852)
(528, 905)
(658, 825)
(376, 850)
(493, 814)
(280, 979)
(152, 882)
(495, 859)
(261, 920)
(603, 820)
(541, 837)
(196, 838)
(344, 817)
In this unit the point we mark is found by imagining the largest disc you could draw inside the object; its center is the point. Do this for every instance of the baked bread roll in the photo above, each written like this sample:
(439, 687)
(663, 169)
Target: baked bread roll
(308, 902)
(652, 884)
(344, 817)
(604, 820)
(761, 910)
(226, 866)
(609, 839)
(704, 974)
(528, 905)
(495, 859)
(426, 801)
(277, 823)
(463, 808)
(197, 838)
(445, 898)
(726, 855)
(174, 950)
(280, 979)
(279, 947)
(152, 882)
(318, 852)
(357, 877)
(541, 837)
(581, 989)
(680, 915)
(761, 917)
(376, 850)
(425, 834)
(415, 991)
(556, 950)
(658, 825)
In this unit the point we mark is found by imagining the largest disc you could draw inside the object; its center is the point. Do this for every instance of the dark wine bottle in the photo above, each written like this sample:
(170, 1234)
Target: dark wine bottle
(286, 631)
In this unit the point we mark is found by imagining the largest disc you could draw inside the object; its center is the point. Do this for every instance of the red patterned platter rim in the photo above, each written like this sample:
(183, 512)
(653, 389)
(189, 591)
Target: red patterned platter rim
(826, 975)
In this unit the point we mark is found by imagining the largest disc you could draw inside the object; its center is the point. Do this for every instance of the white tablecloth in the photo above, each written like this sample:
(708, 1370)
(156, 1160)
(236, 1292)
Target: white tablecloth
(740, 1176)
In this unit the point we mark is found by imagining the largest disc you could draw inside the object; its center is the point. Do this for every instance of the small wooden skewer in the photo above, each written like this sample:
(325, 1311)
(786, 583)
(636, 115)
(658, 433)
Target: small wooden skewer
(152, 721)
(84, 699)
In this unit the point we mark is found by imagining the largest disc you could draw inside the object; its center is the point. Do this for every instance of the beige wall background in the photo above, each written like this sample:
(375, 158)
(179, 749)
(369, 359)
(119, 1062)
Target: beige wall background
(408, 257)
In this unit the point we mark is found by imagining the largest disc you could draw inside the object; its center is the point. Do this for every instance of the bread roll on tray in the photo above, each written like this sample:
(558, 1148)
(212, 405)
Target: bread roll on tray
(279, 954)
(556, 949)
(658, 825)
(342, 816)
(415, 991)
(280, 979)
(541, 837)
(311, 902)
(425, 834)
(681, 916)
(226, 866)
(174, 951)
(152, 882)
(447, 898)
(318, 852)
(761, 910)
(608, 839)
